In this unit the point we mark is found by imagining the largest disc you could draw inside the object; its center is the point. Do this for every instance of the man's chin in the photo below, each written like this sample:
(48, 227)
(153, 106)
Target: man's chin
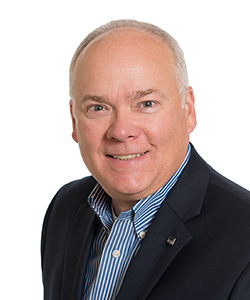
(127, 191)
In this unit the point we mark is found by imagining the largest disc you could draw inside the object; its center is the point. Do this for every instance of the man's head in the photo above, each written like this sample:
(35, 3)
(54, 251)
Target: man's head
(129, 116)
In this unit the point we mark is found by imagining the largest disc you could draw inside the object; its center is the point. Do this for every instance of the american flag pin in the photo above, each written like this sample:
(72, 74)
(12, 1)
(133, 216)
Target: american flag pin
(171, 240)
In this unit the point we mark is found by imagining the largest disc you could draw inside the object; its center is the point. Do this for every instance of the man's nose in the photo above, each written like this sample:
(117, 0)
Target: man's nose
(123, 126)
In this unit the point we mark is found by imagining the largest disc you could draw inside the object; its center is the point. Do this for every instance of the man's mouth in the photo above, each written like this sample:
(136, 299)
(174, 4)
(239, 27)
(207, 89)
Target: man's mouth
(127, 157)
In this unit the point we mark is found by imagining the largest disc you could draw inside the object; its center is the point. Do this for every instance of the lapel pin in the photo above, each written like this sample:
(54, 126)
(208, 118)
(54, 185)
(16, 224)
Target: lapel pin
(171, 240)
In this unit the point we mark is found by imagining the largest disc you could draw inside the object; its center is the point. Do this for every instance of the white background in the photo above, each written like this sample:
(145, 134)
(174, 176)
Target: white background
(38, 156)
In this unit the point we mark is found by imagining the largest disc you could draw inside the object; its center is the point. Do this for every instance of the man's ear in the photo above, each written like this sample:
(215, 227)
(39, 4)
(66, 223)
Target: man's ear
(74, 135)
(190, 110)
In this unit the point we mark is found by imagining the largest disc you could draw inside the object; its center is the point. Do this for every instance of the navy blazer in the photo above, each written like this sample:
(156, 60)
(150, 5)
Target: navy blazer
(208, 215)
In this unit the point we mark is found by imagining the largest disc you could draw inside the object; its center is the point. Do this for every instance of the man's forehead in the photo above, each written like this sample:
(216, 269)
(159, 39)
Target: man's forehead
(126, 54)
(127, 37)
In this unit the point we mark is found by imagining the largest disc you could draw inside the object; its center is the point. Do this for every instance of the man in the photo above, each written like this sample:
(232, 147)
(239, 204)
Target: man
(155, 221)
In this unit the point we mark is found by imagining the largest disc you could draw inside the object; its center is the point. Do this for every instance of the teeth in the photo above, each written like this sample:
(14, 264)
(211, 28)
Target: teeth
(126, 157)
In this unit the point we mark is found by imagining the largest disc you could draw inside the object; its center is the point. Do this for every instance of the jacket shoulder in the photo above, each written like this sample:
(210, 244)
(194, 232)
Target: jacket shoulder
(68, 199)
(223, 185)
(79, 189)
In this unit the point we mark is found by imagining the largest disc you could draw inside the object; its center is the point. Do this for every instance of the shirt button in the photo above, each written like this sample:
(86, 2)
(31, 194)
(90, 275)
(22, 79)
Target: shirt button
(142, 234)
(116, 253)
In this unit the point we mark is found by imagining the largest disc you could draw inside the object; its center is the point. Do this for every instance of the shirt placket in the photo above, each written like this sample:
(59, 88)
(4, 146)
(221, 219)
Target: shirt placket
(114, 257)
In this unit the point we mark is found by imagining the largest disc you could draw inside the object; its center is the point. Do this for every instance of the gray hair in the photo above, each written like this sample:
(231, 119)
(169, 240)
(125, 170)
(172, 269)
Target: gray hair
(181, 68)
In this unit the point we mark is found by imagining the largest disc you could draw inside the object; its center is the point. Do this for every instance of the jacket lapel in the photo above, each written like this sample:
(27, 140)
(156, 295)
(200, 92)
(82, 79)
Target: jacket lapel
(167, 234)
(155, 255)
(77, 253)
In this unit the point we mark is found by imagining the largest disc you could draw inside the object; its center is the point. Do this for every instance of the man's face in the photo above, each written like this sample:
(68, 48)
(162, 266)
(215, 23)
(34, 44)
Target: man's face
(127, 114)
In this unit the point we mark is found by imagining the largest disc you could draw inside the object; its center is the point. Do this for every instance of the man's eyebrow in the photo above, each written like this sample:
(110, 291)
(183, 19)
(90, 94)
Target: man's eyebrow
(93, 98)
(136, 95)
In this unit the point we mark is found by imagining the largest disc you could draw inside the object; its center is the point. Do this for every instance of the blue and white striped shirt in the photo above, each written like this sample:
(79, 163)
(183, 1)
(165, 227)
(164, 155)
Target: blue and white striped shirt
(118, 241)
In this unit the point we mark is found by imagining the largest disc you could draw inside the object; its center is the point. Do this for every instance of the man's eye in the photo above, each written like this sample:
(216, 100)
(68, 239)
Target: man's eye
(147, 104)
(96, 108)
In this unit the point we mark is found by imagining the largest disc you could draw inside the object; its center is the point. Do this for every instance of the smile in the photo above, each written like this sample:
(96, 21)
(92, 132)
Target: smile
(127, 157)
